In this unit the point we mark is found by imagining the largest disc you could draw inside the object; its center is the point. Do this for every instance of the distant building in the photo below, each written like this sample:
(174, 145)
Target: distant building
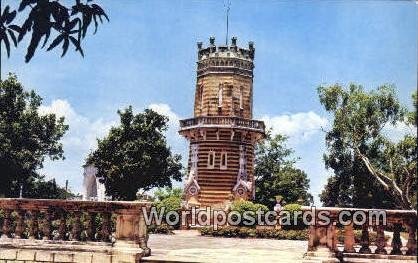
(222, 133)
(92, 188)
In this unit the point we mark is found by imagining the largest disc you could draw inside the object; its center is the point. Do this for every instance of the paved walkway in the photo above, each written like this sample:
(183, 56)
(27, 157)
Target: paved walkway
(189, 246)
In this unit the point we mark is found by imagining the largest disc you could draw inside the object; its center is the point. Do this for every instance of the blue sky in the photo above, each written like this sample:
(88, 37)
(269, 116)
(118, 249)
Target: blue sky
(146, 57)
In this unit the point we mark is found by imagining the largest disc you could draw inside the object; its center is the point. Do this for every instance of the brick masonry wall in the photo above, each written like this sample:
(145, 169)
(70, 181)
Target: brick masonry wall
(206, 96)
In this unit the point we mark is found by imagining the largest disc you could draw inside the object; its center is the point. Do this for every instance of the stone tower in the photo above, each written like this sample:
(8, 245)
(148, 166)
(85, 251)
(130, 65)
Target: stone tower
(222, 133)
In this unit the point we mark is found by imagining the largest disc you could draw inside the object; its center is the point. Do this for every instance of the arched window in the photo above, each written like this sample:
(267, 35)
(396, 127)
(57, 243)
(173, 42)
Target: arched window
(201, 97)
(224, 161)
(220, 92)
(241, 106)
(211, 160)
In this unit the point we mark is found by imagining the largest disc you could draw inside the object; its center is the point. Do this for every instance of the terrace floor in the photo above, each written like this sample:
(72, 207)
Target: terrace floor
(189, 246)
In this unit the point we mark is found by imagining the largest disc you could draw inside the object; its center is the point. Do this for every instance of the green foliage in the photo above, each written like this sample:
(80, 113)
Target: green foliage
(161, 229)
(243, 205)
(27, 137)
(171, 203)
(291, 209)
(276, 174)
(164, 193)
(370, 171)
(134, 155)
(41, 189)
(169, 199)
(68, 24)
(246, 232)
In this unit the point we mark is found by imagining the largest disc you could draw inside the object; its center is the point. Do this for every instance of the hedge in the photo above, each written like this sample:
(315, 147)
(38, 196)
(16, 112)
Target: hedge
(246, 232)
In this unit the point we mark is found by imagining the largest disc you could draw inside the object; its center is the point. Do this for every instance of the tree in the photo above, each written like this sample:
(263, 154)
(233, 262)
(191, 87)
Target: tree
(370, 170)
(39, 188)
(68, 24)
(169, 198)
(276, 174)
(26, 136)
(164, 193)
(134, 156)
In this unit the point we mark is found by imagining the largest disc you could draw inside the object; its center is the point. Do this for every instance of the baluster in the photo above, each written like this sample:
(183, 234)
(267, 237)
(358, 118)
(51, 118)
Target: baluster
(33, 225)
(331, 237)
(46, 225)
(20, 224)
(105, 231)
(62, 229)
(380, 240)
(143, 236)
(365, 239)
(396, 240)
(349, 239)
(412, 242)
(7, 229)
(91, 226)
(76, 230)
(312, 238)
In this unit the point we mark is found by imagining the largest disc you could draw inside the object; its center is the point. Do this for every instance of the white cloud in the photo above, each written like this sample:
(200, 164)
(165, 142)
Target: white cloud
(398, 131)
(79, 140)
(298, 126)
(83, 132)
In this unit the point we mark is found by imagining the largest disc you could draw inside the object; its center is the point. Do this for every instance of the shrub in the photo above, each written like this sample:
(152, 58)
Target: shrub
(246, 232)
(171, 203)
(292, 208)
(242, 206)
(170, 199)
(161, 229)
(206, 231)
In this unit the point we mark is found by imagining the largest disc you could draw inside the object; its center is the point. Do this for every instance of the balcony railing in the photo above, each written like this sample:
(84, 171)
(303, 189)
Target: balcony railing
(107, 227)
(222, 122)
(337, 241)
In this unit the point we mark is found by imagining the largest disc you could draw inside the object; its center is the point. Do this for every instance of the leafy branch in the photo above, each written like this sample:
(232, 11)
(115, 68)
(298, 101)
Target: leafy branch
(69, 25)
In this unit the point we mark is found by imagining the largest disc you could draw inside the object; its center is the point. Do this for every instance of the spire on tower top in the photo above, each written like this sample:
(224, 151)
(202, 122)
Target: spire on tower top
(228, 7)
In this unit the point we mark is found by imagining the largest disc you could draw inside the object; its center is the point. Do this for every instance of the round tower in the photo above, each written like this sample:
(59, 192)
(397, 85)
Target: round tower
(222, 133)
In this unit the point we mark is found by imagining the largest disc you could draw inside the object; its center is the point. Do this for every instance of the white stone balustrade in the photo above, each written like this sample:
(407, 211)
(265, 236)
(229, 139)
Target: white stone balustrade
(115, 231)
(222, 121)
(324, 243)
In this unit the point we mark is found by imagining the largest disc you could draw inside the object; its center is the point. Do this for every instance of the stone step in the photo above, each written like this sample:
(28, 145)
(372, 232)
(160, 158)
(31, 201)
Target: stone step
(213, 178)
(224, 188)
(215, 193)
(210, 191)
(212, 199)
(218, 179)
(165, 260)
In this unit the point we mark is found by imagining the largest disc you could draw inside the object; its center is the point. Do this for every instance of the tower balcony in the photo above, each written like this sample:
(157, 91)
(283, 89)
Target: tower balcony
(222, 122)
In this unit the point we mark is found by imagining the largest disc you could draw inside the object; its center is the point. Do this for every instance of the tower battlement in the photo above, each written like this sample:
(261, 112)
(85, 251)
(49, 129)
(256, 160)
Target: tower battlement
(232, 50)
(229, 59)
(222, 133)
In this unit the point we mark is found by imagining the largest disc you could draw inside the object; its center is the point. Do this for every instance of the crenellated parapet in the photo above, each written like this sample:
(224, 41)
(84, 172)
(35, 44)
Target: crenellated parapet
(225, 59)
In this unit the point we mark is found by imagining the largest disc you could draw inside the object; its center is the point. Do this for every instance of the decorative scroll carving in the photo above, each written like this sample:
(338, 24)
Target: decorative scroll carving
(192, 188)
(243, 188)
